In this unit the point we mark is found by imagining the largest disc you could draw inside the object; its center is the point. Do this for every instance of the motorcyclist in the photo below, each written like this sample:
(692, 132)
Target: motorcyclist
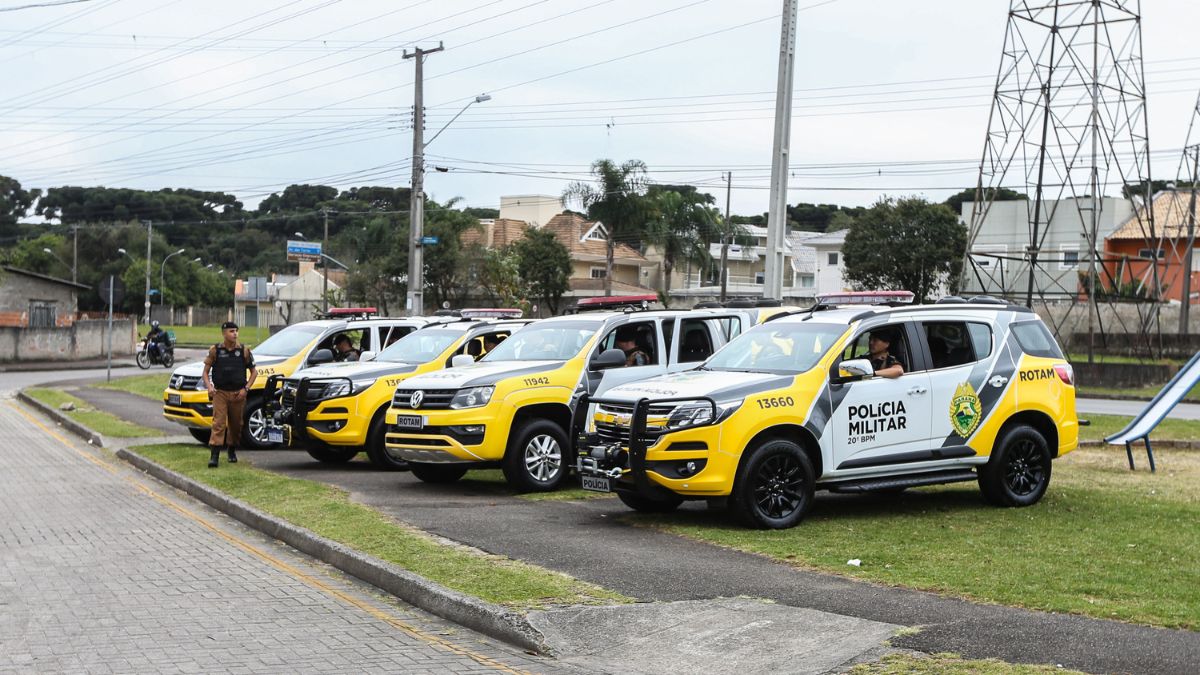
(154, 339)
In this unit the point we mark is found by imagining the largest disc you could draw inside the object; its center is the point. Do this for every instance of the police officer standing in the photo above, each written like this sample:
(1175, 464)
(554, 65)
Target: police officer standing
(225, 377)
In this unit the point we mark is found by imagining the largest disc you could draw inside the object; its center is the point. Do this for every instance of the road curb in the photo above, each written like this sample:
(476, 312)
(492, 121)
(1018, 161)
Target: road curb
(1165, 445)
(63, 420)
(485, 617)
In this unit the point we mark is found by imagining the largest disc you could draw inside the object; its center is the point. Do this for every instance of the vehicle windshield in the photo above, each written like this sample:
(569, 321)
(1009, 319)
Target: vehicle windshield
(784, 349)
(289, 341)
(557, 341)
(419, 346)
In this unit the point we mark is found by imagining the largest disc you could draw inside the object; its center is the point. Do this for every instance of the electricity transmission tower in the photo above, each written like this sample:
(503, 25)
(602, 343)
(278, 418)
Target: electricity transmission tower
(1067, 128)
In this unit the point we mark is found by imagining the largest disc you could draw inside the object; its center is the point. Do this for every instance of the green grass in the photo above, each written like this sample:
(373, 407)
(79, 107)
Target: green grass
(149, 386)
(99, 421)
(1104, 542)
(1168, 430)
(1145, 393)
(328, 512)
(206, 336)
(1081, 357)
(948, 664)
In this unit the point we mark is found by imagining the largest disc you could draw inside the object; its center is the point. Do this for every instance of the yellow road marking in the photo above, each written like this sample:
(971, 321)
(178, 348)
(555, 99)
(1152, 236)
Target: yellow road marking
(300, 575)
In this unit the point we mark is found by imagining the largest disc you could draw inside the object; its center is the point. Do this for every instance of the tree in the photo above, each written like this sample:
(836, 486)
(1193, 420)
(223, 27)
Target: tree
(29, 255)
(683, 225)
(15, 202)
(907, 244)
(497, 271)
(956, 200)
(446, 272)
(544, 265)
(616, 199)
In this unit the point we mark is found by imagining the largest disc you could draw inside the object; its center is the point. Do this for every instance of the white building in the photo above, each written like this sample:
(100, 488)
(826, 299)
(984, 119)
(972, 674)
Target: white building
(536, 210)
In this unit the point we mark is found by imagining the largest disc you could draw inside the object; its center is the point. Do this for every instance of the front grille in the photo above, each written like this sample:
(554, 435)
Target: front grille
(611, 432)
(287, 392)
(431, 399)
(184, 382)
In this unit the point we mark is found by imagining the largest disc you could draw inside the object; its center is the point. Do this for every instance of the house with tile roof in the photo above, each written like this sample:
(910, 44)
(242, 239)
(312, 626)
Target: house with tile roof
(1134, 255)
(747, 270)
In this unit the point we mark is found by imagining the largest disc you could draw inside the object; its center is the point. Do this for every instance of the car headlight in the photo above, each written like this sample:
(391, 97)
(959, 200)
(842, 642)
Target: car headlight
(694, 414)
(345, 387)
(472, 398)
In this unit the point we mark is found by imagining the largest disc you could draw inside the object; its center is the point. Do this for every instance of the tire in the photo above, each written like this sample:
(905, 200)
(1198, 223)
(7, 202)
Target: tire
(438, 473)
(774, 487)
(377, 449)
(643, 504)
(538, 457)
(143, 360)
(254, 426)
(1018, 472)
(168, 359)
(201, 435)
(333, 455)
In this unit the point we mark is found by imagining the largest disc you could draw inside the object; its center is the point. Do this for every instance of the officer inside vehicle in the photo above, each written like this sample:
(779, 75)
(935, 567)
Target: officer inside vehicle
(882, 360)
(627, 342)
(343, 349)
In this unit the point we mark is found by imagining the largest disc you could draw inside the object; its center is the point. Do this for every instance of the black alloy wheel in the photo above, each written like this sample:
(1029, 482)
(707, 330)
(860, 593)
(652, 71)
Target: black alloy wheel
(1018, 472)
(775, 486)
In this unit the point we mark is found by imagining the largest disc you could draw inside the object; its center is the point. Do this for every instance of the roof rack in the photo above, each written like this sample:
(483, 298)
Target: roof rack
(350, 313)
(878, 298)
(491, 313)
(612, 303)
(739, 303)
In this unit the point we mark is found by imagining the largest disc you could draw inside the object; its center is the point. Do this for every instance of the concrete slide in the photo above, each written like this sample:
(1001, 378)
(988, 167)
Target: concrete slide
(1140, 427)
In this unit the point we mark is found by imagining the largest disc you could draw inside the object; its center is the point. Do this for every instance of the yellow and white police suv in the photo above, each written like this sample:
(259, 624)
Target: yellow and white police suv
(794, 405)
(513, 408)
(299, 346)
(337, 410)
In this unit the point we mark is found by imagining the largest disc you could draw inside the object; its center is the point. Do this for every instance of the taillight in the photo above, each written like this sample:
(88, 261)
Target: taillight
(1065, 373)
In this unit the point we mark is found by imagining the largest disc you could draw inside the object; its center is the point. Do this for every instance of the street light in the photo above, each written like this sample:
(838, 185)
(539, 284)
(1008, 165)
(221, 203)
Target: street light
(416, 262)
(47, 250)
(297, 234)
(162, 271)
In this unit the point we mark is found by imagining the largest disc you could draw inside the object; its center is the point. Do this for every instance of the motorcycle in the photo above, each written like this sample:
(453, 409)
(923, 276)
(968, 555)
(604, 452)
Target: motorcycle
(165, 355)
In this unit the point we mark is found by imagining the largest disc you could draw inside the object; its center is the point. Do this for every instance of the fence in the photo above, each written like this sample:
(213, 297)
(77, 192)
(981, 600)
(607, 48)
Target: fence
(84, 339)
(170, 315)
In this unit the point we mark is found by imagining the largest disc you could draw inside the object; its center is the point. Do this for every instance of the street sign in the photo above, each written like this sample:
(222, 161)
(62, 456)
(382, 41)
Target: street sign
(429, 241)
(118, 290)
(304, 251)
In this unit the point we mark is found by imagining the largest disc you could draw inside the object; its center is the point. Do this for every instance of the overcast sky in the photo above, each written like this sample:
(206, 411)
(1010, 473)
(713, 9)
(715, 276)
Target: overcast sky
(248, 97)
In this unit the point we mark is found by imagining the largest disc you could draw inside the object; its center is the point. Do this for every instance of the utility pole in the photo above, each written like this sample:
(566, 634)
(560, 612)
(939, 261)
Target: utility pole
(725, 236)
(1184, 309)
(777, 214)
(75, 254)
(416, 263)
(325, 266)
(149, 237)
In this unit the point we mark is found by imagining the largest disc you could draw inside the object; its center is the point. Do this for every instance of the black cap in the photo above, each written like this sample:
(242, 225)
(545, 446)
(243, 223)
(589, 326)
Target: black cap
(885, 334)
(228, 324)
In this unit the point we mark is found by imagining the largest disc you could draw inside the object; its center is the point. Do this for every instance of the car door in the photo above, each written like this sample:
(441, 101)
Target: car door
(959, 352)
(879, 421)
(649, 335)
(695, 338)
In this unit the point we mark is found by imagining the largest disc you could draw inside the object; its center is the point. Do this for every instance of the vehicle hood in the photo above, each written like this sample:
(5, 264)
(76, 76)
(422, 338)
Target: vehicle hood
(355, 371)
(196, 368)
(479, 374)
(719, 385)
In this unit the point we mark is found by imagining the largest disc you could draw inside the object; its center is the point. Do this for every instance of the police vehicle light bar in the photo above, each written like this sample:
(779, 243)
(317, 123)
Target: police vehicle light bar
(351, 311)
(491, 313)
(866, 298)
(616, 301)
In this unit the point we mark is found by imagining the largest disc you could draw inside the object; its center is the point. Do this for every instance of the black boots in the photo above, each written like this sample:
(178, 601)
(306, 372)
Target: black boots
(232, 455)
(214, 457)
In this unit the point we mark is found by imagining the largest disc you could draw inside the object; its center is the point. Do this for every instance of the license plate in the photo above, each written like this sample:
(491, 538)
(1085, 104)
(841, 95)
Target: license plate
(274, 434)
(410, 421)
(173, 399)
(596, 483)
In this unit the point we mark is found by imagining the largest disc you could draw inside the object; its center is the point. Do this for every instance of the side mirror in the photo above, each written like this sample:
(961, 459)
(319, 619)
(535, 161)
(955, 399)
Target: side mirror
(856, 368)
(321, 356)
(367, 356)
(609, 358)
(459, 360)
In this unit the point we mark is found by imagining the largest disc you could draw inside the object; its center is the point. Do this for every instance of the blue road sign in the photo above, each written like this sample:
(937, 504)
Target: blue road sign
(304, 251)
(429, 241)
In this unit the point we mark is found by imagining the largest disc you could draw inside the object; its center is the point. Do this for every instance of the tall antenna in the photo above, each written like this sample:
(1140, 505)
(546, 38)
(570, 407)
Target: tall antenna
(1067, 128)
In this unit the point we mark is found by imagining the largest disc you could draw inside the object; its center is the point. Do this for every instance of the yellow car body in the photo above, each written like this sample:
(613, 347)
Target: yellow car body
(186, 401)
(343, 404)
(981, 385)
(524, 391)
